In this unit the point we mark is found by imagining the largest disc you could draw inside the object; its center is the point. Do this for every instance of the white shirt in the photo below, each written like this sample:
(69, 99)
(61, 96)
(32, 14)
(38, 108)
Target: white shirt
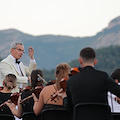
(18, 67)
(114, 105)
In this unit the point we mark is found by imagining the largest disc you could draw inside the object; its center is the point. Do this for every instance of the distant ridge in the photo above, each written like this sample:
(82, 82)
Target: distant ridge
(51, 50)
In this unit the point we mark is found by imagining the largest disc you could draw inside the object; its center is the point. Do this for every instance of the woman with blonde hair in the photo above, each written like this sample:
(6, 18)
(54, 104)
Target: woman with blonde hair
(45, 97)
(9, 83)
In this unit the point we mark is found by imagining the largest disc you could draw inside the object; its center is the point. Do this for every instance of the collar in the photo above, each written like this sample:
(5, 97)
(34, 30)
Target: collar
(118, 83)
(88, 67)
(13, 58)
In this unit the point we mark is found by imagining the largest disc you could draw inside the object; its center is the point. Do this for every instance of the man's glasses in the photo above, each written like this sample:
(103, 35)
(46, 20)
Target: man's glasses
(20, 50)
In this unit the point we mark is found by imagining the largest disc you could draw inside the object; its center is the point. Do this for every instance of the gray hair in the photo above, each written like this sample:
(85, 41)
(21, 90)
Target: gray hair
(14, 45)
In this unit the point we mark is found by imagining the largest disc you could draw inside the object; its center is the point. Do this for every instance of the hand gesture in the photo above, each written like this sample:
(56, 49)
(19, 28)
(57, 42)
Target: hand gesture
(35, 98)
(117, 99)
(10, 104)
(31, 52)
(62, 94)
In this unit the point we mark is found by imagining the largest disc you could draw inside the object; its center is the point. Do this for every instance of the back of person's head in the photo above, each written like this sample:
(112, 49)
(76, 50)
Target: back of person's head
(62, 71)
(116, 74)
(35, 80)
(87, 54)
(10, 81)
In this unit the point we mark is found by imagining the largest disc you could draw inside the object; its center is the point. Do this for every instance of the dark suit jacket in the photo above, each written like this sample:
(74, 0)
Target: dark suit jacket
(90, 85)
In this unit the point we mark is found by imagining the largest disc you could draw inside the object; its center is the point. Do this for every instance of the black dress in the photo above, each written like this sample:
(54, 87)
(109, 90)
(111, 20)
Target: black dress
(28, 105)
(3, 98)
(28, 113)
(51, 106)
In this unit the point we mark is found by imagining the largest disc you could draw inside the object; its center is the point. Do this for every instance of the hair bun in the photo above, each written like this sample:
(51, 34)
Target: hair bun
(10, 85)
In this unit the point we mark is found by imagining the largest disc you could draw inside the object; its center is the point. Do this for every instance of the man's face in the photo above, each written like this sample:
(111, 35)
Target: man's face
(17, 52)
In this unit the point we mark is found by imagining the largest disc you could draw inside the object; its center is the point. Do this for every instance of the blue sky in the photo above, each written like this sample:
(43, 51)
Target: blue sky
(58, 17)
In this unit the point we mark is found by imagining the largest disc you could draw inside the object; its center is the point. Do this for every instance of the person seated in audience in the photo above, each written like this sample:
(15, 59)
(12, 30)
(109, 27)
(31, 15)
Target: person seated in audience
(25, 106)
(114, 101)
(9, 83)
(47, 97)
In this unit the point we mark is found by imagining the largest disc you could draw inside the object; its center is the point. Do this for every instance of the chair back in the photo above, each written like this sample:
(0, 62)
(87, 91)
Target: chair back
(55, 114)
(6, 117)
(30, 116)
(92, 111)
(116, 116)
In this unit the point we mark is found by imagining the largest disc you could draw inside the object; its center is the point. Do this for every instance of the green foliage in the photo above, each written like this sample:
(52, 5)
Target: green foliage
(74, 63)
(49, 74)
(108, 60)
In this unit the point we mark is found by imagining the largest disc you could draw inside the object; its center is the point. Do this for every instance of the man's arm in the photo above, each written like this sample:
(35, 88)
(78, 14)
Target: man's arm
(32, 66)
(113, 87)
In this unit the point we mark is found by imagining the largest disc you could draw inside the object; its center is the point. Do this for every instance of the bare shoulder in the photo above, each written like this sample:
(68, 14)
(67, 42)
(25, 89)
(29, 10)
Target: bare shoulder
(48, 87)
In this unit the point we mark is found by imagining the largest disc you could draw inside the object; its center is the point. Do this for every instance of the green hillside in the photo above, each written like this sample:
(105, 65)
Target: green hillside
(108, 60)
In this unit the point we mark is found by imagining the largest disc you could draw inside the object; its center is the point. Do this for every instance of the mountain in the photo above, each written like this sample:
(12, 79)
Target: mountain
(51, 50)
(109, 36)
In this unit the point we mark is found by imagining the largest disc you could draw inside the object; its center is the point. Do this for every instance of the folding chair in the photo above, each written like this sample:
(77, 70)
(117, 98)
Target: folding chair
(30, 116)
(116, 116)
(6, 117)
(92, 111)
(55, 114)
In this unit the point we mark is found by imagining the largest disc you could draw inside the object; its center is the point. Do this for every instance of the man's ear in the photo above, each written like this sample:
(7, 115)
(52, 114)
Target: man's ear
(11, 49)
(95, 62)
(80, 60)
(116, 80)
(55, 75)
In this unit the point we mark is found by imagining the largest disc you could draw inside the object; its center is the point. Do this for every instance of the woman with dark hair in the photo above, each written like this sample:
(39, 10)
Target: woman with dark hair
(35, 78)
(27, 106)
